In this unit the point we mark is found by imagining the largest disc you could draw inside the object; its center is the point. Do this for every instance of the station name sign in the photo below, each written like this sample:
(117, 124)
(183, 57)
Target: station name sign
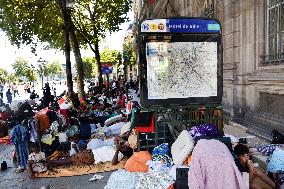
(180, 25)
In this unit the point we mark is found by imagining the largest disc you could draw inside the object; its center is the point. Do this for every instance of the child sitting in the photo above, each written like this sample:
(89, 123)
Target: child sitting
(36, 161)
(244, 164)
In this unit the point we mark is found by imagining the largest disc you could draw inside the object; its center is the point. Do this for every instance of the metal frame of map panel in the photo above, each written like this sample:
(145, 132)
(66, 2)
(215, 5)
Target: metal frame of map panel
(179, 36)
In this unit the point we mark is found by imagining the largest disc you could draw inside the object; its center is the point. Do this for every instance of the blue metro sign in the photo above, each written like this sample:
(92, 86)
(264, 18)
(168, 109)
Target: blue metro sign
(181, 25)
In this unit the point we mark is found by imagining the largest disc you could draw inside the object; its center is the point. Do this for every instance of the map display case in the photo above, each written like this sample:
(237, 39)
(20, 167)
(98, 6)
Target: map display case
(180, 62)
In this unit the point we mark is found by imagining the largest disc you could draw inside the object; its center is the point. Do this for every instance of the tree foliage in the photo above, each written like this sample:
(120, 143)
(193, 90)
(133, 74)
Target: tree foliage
(37, 21)
(90, 63)
(90, 67)
(12, 78)
(21, 67)
(52, 69)
(40, 21)
(93, 19)
(129, 52)
(24, 70)
(32, 22)
(3, 76)
(55, 69)
(108, 55)
(31, 75)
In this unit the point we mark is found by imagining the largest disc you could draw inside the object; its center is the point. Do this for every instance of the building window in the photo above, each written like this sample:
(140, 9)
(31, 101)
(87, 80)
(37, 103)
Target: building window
(208, 8)
(274, 30)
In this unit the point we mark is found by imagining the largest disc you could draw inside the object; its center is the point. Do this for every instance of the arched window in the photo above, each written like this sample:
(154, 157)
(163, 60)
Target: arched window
(208, 10)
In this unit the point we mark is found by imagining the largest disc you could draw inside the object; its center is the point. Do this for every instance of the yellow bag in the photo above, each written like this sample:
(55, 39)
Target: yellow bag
(132, 139)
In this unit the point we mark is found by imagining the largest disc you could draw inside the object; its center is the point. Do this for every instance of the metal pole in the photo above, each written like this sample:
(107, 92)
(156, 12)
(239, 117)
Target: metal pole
(66, 19)
(41, 77)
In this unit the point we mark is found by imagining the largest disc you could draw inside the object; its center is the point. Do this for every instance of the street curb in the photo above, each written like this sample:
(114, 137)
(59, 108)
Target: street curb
(259, 136)
(241, 127)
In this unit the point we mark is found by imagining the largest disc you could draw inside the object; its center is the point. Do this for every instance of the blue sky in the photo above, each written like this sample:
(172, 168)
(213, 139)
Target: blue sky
(9, 53)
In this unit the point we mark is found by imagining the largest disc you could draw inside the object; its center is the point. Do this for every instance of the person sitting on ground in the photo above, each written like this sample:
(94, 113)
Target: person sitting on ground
(36, 161)
(106, 105)
(244, 164)
(83, 157)
(33, 95)
(122, 145)
(74, 149)
(25, 111)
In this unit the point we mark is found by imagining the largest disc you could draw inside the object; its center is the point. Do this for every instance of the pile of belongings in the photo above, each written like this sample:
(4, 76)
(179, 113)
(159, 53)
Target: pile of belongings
(179, 165)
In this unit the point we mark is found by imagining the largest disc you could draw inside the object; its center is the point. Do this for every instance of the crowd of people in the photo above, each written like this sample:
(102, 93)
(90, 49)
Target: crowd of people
(66, 130)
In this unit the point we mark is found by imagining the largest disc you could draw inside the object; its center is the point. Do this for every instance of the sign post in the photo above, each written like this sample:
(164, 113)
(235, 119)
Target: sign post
(180, 62)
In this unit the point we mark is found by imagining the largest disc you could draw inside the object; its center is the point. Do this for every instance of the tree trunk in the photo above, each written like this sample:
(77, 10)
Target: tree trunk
(125, 70)
(66, 19)
(79, 63)
(98, 58)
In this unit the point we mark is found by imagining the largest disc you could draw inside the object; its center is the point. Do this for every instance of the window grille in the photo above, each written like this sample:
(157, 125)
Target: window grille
(274, 30)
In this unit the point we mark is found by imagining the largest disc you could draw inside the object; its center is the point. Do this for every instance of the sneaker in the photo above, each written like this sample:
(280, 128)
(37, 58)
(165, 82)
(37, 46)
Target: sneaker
(20, 169)
(96, 177)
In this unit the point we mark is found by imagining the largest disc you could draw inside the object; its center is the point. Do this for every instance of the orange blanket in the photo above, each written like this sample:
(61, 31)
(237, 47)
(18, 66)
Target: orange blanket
(5, 140)
(67, 171)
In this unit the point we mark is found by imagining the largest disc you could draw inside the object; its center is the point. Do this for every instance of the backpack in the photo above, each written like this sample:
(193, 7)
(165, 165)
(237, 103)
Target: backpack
(277, 137)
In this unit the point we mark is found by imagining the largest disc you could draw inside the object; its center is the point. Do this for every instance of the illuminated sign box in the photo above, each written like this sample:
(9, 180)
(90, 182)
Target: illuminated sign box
(180, 62)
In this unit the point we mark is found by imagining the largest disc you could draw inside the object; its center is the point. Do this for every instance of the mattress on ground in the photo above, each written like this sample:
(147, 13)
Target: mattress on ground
(111, 120)
(67, 171)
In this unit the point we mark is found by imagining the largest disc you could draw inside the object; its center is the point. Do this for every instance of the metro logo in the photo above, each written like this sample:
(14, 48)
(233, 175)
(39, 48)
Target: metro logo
(161, 26)
(153, 26)
(145, 27)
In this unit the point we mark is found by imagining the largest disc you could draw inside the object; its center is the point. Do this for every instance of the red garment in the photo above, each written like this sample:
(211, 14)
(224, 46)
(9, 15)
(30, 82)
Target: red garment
(121, 103)
(43, 121)
(129, 106)
(4, 116)
(146, 128)
(61, 101)
(151, 1)
(64, 112)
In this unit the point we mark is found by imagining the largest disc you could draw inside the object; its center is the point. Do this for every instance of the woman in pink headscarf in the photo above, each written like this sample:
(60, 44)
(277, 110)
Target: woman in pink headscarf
(213, 167)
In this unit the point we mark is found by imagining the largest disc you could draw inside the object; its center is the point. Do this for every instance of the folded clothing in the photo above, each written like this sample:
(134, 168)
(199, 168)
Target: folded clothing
(268, 149)
(105, 154)
(276, 162)
(138, 162)
(122, 179)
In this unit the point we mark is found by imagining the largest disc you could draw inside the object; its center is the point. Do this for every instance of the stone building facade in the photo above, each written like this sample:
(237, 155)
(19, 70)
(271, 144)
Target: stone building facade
(253, 54)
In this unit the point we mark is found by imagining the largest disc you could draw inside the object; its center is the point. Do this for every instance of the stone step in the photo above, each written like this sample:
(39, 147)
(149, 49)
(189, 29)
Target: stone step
(264, 120)
(254, 129)
(263, 123)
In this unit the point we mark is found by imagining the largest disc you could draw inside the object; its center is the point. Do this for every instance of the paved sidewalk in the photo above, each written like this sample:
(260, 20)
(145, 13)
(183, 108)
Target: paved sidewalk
(239, 131)
(12, 180)
(9, 179)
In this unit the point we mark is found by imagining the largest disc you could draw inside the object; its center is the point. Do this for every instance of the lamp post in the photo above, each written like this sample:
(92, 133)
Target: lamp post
(66, 12)
(41, 65)
(33, 67)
